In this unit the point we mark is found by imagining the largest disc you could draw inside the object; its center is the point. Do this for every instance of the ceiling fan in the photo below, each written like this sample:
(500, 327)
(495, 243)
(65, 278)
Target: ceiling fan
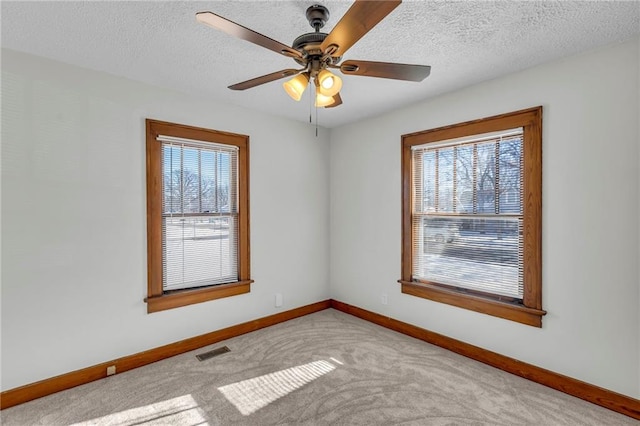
(318, 52)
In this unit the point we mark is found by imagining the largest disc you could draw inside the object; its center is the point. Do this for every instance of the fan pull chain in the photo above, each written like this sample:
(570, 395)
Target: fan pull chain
(311, 105)
(310, 101)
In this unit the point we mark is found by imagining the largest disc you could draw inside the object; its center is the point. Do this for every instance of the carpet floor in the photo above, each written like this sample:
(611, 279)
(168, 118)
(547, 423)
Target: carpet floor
(327, 368)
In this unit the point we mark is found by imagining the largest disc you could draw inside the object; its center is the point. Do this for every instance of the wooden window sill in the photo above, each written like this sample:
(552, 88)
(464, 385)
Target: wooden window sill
(518, 313)
(186, 297)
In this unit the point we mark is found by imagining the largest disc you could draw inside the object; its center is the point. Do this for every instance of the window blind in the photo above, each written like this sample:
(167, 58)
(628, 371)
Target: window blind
(467, 213)
(199, 213)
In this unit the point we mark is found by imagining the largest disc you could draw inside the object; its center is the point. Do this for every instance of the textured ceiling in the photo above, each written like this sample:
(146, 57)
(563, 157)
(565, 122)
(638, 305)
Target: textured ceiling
(465, 42)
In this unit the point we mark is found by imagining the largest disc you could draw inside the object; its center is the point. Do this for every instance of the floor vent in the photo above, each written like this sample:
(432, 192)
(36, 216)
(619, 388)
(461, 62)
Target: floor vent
(212, 353)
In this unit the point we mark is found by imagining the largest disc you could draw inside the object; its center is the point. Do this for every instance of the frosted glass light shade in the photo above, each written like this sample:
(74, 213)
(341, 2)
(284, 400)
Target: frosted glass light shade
(329, 84)
(296, 86)
(322, 100)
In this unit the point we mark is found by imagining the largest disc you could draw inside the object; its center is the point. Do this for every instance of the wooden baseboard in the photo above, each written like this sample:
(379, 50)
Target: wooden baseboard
(605, 398)
(46, 387)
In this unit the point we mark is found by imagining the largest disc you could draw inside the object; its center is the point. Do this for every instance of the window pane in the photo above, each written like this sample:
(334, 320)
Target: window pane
(486, 172)
(510, 175)
(190, 180)
(429, 170)
(208, 167)
(198, 251)
(215, 181)
(197, 180)
(474, 253)
(445, 180)
(464, 179)
(225, 173)
(172, 197)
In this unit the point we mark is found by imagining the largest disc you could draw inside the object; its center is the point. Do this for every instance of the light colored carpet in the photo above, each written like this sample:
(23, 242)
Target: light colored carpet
(324, 368)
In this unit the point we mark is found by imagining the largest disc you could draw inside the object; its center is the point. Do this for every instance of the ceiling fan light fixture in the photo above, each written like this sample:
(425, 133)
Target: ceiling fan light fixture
(296, 86)
(329, 84)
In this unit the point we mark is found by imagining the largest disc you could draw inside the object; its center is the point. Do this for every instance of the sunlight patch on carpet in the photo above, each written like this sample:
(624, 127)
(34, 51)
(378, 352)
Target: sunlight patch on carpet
(182, 410)
(253, 394)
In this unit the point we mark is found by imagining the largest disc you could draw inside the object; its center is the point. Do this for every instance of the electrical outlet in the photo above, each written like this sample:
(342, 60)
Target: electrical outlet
(384, 299)
(279, 300)
(111, 370)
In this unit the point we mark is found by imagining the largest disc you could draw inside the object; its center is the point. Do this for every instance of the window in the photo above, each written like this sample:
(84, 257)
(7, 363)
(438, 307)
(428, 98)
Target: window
(471, 221)
(197, 215)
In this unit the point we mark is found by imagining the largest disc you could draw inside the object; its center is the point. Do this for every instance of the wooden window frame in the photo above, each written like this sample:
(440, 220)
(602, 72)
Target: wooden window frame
(157, 299)
(530, 311)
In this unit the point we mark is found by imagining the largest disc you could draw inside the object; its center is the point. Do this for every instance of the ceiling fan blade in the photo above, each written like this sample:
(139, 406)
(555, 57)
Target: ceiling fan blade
(386, 70)
(244, 33)
(264, 79)
(337, 99)
(361, 17)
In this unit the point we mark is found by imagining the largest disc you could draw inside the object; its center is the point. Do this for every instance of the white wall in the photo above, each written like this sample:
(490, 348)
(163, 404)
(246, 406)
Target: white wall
(591, 199)
(74, 224)
(638, 263)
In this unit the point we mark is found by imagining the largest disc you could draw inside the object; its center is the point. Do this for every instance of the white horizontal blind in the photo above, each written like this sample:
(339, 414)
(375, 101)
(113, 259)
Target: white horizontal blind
(199, 213)
(467, 213)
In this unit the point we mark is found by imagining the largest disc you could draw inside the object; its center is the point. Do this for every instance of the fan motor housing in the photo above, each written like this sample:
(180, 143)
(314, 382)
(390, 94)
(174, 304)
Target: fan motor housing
(317, 15)
(310, 43)
(308, 39)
